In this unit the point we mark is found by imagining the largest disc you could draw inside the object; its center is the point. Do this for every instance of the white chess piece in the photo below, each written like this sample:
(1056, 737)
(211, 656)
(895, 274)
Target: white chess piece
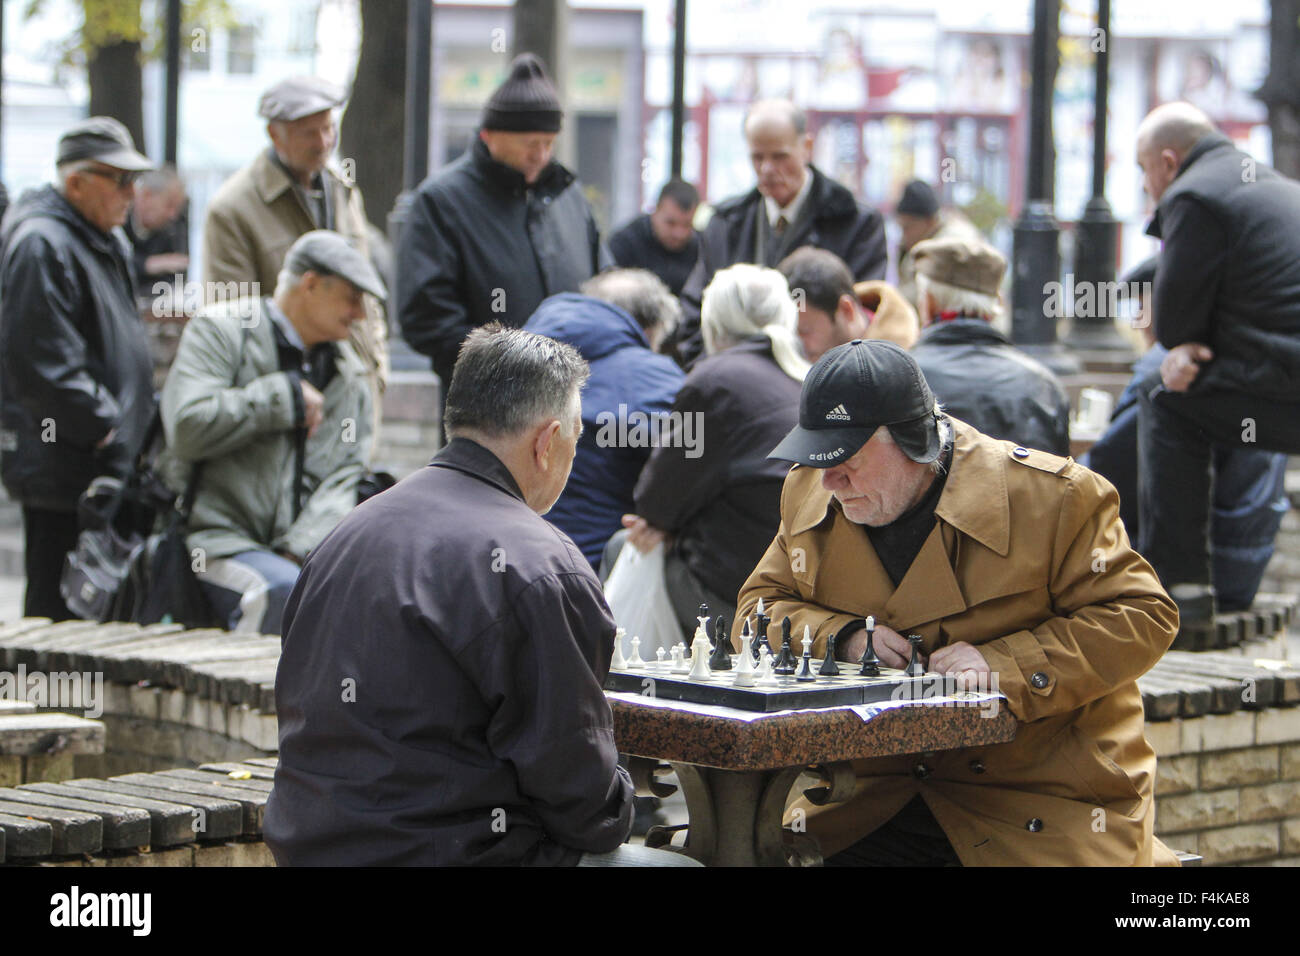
(759, 610)
(660, 654)
(618, 662)
(675, 652)
(807, 640)
(634, 662)
(744, 668)
(765, 676)
(700, 656)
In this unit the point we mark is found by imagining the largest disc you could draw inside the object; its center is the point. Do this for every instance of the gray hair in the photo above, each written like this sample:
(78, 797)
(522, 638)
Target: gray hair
(66, 169)
(746, 300)
(160, 179)
(793, 114)
(286, 282)
(640, 293)
(508, 380)
(944, 426)
(953, 298)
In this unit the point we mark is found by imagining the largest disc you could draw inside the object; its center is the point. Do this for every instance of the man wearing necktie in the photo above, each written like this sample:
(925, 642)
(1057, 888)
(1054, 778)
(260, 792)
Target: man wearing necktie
(793, 204)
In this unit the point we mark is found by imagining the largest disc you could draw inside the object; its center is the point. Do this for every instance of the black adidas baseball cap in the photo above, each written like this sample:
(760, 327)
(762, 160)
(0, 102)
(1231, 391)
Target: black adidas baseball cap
(853, 390)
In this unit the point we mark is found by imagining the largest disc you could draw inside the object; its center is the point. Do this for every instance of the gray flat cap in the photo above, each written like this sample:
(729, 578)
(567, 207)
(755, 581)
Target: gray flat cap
(328, 253)
(104, 139)
(299, 96)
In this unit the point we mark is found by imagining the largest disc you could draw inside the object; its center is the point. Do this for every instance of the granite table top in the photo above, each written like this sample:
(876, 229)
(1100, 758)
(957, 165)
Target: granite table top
(731, 739)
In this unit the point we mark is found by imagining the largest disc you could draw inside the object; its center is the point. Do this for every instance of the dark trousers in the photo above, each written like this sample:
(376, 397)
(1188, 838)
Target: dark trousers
(1177, 436)
(48, 536)
(912, 838)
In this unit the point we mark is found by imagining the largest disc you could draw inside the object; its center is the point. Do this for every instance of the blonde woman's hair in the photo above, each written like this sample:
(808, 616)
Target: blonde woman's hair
(746, 300)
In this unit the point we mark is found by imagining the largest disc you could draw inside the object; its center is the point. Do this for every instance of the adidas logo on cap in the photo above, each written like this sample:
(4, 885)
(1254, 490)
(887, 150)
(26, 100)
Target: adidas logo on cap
(838, 414)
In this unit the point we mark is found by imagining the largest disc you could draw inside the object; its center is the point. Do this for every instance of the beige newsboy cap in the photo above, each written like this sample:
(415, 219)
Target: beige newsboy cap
(963, 263)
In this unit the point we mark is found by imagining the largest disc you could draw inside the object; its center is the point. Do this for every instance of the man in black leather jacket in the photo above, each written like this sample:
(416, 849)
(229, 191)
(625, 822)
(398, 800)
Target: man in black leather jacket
(1227, 306)
(978, 375)
(76, 378)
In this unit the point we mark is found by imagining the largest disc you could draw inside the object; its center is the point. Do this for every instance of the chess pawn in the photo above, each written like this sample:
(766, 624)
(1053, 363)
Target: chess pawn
(914, 667)
(634, 662)
(830, 668)
(679, 666)
(618, 662)
(870, 662)
(805, 668)
(700, 656)
(660, 654)
(721, 657)
(785, 661)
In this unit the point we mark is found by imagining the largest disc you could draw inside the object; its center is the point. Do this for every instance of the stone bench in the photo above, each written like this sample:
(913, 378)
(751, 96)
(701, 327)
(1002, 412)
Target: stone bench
(1226, 732)
(36, 746)
(1264, 621)
(211, 816)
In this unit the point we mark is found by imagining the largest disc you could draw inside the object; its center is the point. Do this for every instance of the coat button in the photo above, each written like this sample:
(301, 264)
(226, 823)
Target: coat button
(1034, 825)
(1039, 680)
(977, 766)
(1020, 452)
(921, 771)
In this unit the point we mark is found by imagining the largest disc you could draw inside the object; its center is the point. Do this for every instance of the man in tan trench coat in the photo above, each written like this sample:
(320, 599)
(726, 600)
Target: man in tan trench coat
(287, 191)
(1014, 568)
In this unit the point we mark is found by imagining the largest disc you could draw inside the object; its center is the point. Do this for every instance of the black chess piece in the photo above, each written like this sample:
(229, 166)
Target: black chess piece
(914, 668)
(746, 640)
(805, 667)
(870, 662)
(830, 668)
(785, 660)
(703, 612)
(720, 659)
(760, 635)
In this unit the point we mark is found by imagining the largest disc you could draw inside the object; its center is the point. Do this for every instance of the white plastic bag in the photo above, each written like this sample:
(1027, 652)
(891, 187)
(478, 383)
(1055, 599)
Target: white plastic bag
(638, 595)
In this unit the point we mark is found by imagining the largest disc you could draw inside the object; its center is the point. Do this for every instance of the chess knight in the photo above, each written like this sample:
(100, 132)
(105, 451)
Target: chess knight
(1010, 563)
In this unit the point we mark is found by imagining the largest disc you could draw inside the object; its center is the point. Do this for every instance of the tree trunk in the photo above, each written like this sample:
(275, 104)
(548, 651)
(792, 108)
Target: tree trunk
(373, 124)
(116, 87)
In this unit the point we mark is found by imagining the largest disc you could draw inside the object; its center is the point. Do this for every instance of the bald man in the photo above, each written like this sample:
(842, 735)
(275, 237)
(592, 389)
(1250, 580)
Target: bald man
(793, 204)
(1227, 306)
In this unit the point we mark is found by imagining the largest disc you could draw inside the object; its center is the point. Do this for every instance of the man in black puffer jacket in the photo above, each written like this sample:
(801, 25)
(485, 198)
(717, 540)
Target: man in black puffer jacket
(1227, 306)
(497, 231)
(76, 378)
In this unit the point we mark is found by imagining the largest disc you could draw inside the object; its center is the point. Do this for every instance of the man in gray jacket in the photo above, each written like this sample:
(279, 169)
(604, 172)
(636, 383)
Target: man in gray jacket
(267, 415)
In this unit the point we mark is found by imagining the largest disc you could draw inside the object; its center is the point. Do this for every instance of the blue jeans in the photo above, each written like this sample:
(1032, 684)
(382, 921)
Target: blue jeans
(248, 590)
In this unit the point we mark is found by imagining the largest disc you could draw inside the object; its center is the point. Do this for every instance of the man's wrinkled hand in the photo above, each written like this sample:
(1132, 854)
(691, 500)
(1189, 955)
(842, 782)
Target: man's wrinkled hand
(891, 647)
(313, 404)
(641, 534)
(1183, 364)
(963, 661)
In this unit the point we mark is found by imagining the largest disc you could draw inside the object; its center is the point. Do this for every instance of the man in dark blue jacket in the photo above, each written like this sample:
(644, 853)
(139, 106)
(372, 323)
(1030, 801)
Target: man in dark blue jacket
(1227, 306)
(615, 325)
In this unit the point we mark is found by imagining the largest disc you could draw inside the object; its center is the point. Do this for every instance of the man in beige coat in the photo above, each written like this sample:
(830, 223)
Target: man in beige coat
(1013, 567)
(288, 190)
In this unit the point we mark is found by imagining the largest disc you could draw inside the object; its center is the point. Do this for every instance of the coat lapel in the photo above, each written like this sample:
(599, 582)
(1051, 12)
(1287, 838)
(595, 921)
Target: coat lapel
(929, 591)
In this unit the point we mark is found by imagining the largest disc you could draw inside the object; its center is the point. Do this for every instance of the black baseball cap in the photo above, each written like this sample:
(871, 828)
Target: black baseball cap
(853, 390)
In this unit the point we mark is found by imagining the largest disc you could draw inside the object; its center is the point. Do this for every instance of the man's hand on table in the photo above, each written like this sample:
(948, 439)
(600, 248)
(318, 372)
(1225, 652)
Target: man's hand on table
(962, 661)
(890, 646)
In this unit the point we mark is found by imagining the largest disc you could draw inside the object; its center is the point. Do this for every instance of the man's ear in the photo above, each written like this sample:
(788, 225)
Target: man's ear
(543, 443)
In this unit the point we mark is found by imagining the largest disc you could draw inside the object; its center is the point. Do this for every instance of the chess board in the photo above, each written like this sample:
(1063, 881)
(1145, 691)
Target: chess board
(655, 679)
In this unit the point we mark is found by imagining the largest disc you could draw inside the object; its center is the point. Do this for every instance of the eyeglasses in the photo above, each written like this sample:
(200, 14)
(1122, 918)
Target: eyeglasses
(122, 178)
